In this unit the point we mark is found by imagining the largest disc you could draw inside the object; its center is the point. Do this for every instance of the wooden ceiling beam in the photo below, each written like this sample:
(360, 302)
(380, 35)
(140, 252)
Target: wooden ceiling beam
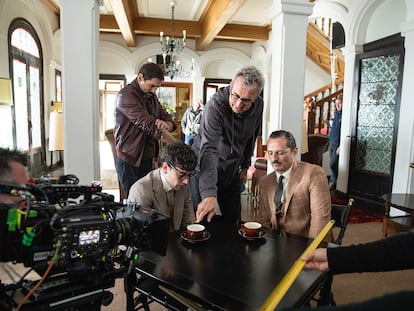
(124, 18)
(216, 15)
(244, 33)
(153, 26)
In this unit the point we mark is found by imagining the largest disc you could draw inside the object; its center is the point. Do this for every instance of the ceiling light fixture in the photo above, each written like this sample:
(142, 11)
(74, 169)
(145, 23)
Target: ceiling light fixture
(171, 46)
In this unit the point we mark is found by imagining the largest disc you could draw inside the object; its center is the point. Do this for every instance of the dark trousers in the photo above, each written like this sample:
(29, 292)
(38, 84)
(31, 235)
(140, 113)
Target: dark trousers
(228, 197)
(333, 163)
(129, 174)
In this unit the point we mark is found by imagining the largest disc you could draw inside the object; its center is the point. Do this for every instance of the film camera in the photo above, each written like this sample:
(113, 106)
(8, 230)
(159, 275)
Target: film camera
(77, 238)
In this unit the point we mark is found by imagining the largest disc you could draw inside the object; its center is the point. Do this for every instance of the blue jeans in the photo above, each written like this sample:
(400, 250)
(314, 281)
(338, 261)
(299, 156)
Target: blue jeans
(129, 174)
(188, 139)
(333, 163)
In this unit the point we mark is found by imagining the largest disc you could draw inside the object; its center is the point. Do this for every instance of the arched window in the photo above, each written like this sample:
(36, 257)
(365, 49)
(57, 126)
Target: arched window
(26, 72)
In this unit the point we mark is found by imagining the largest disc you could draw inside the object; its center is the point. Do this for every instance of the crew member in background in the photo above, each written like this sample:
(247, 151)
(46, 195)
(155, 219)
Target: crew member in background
(140, 121)
(334, 141)
(190, 123)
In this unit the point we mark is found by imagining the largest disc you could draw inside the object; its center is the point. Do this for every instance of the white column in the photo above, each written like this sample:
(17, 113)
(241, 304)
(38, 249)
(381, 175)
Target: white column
(80, 35)
(198, 88)
(266, 109)
(403, 175)
(288, 45)
(349, 53)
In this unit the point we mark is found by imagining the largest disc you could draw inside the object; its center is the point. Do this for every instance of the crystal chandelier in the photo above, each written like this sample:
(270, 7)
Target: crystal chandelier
(171, 46)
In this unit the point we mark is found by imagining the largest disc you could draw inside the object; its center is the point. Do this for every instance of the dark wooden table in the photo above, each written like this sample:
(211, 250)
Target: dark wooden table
(403, 202)
(227, 272)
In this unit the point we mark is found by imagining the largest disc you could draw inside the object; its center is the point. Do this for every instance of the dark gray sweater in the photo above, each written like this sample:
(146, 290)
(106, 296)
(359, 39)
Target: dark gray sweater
(226, 141)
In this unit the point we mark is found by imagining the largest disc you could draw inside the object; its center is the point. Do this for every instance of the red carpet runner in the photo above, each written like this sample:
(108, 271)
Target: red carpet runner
(359, 214)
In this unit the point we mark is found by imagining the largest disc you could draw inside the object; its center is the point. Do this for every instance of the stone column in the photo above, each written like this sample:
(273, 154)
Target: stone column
(288, 45)
(349, 52)
(403, 181)
(80, 36)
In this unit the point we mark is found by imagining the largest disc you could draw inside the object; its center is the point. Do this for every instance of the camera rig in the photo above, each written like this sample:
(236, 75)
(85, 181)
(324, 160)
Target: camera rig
(77, 238)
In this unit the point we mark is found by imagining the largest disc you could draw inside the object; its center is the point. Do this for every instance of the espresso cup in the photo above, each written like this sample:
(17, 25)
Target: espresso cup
(195, 231)
(252, 228)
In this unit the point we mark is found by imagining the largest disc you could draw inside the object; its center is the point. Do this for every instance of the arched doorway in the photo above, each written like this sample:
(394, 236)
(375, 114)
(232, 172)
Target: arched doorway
(26, 72)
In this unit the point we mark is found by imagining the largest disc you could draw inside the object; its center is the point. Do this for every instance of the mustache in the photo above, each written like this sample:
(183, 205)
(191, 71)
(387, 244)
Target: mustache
(275, 162)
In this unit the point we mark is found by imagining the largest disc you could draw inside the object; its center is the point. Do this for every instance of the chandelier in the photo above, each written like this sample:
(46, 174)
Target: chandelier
(171, 46)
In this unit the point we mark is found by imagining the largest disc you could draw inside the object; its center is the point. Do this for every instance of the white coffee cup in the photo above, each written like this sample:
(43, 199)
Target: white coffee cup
(252, 228)
(195, 231)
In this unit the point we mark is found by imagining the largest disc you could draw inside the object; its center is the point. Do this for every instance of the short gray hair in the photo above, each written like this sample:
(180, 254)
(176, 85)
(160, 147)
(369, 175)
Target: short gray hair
(252, 77)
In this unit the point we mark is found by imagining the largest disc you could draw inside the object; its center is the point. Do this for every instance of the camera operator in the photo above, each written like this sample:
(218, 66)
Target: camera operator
(12, 170)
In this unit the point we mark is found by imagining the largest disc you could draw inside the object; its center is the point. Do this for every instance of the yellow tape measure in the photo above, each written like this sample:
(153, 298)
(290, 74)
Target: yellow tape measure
(280, 290)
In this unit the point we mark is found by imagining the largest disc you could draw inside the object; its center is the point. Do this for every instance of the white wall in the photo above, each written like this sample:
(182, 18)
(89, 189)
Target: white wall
(386, 20)
(315, 77)
(220, 62)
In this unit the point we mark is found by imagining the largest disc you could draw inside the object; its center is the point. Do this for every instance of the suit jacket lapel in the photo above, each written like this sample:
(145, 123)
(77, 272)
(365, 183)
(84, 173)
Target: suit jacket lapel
(294, 178)
(160, 196)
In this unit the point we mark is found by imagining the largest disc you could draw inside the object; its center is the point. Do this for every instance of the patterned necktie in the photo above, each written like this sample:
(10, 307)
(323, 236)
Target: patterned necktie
(171, 202)
(278, 195)
(171, 197)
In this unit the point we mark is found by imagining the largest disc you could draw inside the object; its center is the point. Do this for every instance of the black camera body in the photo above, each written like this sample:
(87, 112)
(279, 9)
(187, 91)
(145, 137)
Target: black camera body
(84, 238)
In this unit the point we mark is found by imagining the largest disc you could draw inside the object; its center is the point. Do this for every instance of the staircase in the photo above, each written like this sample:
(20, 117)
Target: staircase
(319, 105)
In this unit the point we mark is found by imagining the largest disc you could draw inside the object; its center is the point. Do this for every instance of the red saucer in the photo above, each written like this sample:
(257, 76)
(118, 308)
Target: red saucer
(205, 237)
(262, 233)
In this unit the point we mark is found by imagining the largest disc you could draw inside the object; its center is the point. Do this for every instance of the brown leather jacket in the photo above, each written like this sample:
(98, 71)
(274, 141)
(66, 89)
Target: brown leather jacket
(134, 122)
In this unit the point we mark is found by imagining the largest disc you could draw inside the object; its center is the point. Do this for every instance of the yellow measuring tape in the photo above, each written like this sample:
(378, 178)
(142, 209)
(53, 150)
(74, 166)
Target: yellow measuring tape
(280, 290)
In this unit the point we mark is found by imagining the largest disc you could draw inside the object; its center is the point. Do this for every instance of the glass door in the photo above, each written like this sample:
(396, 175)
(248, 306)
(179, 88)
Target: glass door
(375, 128)
(26, 72)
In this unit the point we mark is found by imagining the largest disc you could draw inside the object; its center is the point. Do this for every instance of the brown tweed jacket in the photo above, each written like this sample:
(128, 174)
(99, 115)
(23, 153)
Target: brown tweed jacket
(148, 192)
(307, 203)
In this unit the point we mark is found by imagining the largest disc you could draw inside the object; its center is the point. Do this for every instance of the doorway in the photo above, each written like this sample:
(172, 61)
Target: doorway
(26, 70)
(375, 118)
(176, 97)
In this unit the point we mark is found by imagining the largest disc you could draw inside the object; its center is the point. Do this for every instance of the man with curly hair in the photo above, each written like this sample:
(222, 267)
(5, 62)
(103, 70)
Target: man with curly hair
(166, 189)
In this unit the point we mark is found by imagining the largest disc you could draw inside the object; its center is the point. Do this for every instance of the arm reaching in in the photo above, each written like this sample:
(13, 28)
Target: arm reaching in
(209, 206)
(317, 259)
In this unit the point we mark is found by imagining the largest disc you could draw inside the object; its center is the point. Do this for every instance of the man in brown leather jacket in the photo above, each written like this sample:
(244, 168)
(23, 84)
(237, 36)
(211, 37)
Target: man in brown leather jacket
(140, 121)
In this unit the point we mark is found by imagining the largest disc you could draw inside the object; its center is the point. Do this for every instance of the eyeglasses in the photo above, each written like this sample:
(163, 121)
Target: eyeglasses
(278, 152)
(237, 97)
(181, 175)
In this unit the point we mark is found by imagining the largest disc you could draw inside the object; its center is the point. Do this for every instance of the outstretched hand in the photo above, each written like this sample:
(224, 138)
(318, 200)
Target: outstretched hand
(317, 259)
(209, 207)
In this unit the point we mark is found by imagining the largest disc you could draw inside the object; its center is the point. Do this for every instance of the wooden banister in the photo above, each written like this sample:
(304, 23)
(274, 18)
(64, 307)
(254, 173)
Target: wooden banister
(317, 105)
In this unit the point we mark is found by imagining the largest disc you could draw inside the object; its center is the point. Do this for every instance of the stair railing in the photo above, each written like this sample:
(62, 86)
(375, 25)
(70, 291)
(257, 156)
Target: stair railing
(319, 107)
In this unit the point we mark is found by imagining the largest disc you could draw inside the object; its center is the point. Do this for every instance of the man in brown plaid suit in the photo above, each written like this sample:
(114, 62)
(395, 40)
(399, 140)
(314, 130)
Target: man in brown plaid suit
(303, 203)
